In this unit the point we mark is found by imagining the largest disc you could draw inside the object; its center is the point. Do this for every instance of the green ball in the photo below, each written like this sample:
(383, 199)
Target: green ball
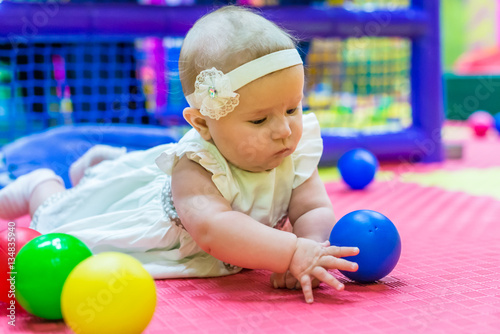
(42, 266)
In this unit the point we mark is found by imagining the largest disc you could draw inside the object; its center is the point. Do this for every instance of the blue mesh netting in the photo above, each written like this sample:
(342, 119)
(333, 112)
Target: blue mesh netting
(47, 84)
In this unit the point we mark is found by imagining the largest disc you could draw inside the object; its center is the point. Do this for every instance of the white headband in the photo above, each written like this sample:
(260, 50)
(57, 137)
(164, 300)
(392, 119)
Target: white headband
(214, 92)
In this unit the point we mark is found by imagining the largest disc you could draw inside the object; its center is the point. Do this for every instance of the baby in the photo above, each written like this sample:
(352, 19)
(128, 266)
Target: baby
(214, 202)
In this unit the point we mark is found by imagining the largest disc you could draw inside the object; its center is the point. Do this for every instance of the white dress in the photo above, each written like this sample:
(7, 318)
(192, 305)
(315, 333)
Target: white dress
(125, 205)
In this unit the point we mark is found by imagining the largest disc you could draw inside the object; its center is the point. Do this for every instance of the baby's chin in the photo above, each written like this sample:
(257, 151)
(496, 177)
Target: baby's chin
(267, 167)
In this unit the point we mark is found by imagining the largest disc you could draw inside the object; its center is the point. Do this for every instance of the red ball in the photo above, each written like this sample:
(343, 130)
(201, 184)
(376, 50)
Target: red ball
(12, 239)
(480, 122)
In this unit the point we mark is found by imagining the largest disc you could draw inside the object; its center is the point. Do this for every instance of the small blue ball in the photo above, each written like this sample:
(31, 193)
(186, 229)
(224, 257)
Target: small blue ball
(377, 239)
(497, 122)
(357, 168)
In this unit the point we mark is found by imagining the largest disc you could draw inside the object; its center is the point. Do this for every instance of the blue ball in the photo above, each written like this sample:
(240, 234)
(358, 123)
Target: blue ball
(377, 239)
(357, 168)
(497, 122)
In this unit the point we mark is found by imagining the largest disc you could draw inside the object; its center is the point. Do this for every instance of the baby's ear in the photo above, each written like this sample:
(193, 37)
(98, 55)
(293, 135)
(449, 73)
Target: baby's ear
(197, 121)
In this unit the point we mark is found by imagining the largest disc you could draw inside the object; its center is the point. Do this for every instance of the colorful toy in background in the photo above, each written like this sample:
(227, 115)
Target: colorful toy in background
(12, 240)
(359, 83)
(479, 62)
(63, 90)
(122, 292)
(378, 241)
(367, 114)
(357, 168)
(480, 122)
(482, 37)
(161, 83)
(150, 72)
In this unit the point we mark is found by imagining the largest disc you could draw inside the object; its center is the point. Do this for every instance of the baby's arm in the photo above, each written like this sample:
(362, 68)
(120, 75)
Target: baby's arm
(228, 235)
(310, 210)
(311, 215)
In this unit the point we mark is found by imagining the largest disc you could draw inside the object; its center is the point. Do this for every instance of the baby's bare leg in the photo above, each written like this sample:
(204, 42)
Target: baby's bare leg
(43, 191)
(15, 198)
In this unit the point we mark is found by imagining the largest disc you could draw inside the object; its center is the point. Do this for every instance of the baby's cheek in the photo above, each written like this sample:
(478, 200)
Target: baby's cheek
(247, 148)
(262, 138)
(256, 142)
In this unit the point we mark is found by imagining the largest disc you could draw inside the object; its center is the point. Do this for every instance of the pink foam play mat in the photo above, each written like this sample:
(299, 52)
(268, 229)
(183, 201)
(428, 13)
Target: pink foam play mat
(447, 279)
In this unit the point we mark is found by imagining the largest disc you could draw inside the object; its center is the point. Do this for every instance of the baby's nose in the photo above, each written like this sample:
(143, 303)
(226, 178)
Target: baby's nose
(281, 129)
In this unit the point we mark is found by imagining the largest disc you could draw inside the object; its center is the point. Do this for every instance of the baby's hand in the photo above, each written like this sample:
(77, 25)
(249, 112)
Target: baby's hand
(312, 260)
(286, 280)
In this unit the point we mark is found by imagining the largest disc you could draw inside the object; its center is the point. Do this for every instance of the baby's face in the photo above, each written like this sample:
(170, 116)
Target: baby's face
(266, 126)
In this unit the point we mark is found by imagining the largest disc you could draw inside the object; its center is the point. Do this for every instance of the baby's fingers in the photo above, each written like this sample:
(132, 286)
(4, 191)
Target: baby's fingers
(305, 282)
(324, 276)
(331, 262)
(342, 251)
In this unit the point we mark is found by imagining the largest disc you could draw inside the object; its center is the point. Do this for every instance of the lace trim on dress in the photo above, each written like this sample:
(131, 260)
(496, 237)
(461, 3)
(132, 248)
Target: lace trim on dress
(168, 205)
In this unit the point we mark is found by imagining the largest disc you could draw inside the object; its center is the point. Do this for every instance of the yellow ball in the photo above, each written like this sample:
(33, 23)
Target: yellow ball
(108, 293)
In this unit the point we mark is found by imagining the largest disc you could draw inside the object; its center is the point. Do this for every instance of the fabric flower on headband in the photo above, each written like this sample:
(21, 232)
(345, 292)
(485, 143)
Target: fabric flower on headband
(213, 90)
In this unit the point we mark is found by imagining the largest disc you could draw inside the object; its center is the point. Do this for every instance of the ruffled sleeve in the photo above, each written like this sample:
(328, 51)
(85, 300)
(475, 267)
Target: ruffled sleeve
(308, 153)
(205, 154)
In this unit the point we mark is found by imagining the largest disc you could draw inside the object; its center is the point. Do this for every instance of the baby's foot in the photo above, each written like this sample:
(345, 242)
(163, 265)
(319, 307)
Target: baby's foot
(92, 157)
(15, 197)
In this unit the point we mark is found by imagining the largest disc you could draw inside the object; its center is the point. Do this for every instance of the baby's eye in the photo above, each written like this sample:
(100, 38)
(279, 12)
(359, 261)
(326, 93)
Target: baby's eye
(291, 111)
(259, 121)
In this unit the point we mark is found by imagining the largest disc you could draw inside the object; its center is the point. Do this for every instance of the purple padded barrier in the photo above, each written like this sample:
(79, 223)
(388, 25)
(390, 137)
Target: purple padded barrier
(136, 20)
(426, 82)
(420, 23)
